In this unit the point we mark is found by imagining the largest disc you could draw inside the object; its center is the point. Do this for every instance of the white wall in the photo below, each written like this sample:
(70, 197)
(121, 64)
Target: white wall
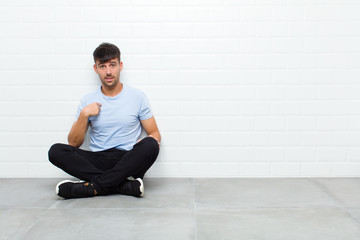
(240, 88)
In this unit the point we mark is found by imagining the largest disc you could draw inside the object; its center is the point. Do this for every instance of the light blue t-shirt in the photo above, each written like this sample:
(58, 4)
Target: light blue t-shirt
(118, 123)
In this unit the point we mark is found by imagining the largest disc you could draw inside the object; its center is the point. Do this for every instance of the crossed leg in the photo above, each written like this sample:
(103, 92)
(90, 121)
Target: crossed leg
(105, 170)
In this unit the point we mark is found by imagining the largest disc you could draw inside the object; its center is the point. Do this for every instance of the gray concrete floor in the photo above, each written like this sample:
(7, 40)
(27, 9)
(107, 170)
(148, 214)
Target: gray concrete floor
(203, 209)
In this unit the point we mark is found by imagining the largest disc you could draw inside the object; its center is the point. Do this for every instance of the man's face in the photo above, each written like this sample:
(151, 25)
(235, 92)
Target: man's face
(109, 72)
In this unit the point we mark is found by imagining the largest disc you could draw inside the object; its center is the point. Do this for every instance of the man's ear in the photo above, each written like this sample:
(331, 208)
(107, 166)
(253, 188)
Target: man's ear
(95, 68)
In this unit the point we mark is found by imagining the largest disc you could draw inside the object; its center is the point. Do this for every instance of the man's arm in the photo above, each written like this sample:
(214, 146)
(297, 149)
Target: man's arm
(151, 128)
(77, 133)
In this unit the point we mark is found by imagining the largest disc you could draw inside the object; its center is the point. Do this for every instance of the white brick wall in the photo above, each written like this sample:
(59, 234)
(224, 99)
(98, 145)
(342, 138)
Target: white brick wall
(245, 88)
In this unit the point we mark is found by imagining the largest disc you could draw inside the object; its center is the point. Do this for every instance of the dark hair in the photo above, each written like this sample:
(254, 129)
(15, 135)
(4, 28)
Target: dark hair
(105, 52)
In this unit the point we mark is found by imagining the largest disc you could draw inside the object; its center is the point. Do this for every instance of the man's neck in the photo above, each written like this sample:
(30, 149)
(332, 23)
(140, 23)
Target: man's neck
(112, 92)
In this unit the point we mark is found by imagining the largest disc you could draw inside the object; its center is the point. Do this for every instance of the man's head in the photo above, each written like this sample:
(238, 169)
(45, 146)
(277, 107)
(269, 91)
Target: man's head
(105, 52)
(107, 64)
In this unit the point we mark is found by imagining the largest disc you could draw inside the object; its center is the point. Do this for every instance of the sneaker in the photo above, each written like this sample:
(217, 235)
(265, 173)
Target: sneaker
(133, 188)
(75, 189)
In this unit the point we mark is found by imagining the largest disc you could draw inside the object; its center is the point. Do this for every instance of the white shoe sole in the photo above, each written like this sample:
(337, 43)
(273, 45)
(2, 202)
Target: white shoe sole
(141, 186)
(65, 181)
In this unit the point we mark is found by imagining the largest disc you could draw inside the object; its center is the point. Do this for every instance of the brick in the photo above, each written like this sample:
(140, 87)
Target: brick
(271, 2)
(225, 14)
(195, 108)
(39, 139)
(303, 61)
(208, 2)
(285, 108)
(192, 46)
(239, 29)
(285, 169)
(92, 14)
(269, 123)
(271, 29)
(206, 124)
(238, 154)
(243, 61)
(287, 45)
(301, 154)
(353, 123)
(269, 154)
(68, 14)
(239, 92)
(332, 28)
(253, 139)
(38, 14)
(319, 76)
(320, 12)
(343, 169)
(257, 45)
(317, 169)
(256, 13)
(303, 29)
(301, 92)
(285, 139)
(332, 123)
(12, 139)
(220, 108)
(223, 45)
(11, 14)
(200, 155)
(287, 13)
(178, 2)
(239, 3)
(192, 93)
(353, 154)
(317, 139)
(331, 108)
(174, 124)
(24, 124)
(13, 170)
(254, 169)
(276, 92)
(204, 77)
(347, 139)
(208, 30)
(127, 30)
(238, 123)
(177, 30)
(332, 154)
(254, 77)
(158, 78)
(134, 14)
(193, 14)
(254, 108)
(301, 123)
(348, 12)
(82, 3)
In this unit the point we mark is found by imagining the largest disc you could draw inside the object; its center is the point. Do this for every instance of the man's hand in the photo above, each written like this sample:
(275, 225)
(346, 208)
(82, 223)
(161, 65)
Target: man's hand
(92, 109)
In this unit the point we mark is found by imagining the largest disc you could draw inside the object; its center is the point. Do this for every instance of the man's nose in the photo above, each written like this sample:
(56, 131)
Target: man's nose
(108, 71)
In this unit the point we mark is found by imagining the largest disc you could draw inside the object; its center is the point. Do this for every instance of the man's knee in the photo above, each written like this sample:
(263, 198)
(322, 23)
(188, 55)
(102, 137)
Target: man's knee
(151, 146)
(55, 152)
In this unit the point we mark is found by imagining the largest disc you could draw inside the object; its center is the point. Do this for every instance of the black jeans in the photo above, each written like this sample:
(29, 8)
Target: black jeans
(106, 170)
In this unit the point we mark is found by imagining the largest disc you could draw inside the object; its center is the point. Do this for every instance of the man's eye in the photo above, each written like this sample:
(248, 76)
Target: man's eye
(102, 66)
(112, 65)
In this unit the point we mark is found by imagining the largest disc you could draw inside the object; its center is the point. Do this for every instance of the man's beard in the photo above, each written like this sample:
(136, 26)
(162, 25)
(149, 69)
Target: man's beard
(111, 84)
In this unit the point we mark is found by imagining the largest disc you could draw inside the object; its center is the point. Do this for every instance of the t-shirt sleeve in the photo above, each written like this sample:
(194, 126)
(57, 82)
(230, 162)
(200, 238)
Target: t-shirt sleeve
(145, 110)
(80, 107)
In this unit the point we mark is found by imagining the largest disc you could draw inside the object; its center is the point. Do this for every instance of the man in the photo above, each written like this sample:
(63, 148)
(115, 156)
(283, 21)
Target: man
(115, 113)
